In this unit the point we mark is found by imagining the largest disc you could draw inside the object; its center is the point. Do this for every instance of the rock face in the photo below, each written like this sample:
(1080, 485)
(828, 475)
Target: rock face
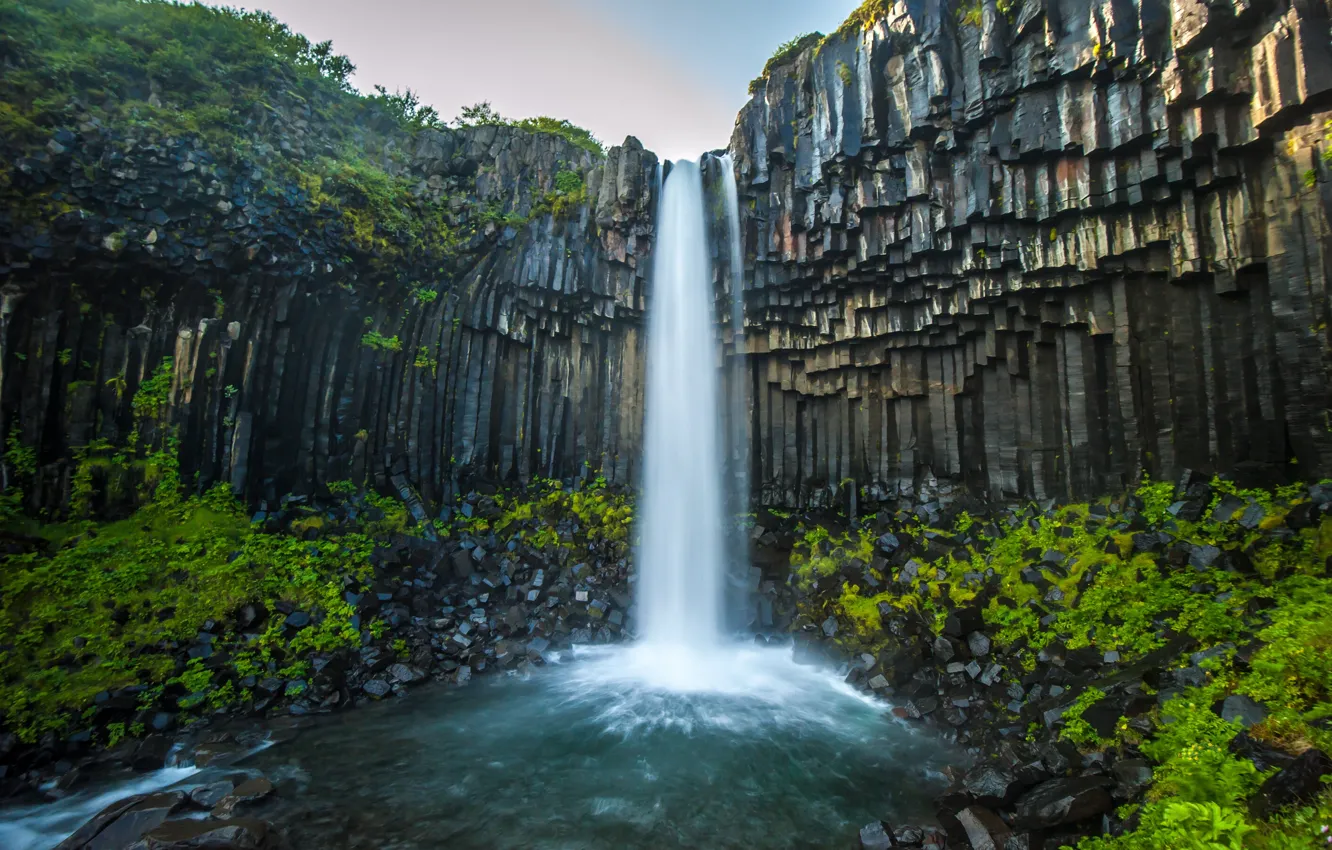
(1037, 255)
(295, 366)
(1029, 255)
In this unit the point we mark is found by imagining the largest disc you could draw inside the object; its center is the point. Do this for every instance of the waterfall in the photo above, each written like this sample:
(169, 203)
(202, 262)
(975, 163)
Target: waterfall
(680, 562)
(737, 399)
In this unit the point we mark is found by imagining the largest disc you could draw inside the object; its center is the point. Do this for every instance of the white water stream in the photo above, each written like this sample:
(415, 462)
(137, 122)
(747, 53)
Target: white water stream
(680, 563)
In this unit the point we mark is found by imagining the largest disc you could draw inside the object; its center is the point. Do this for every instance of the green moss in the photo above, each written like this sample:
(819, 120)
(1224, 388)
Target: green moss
(603, 520)
(154, 393)
(107, 607)
(1129, 603)
(1076, 730)
(379, 342)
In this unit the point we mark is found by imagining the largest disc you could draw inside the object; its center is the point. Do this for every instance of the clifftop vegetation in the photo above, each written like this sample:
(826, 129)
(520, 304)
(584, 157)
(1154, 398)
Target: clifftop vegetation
(92, 79)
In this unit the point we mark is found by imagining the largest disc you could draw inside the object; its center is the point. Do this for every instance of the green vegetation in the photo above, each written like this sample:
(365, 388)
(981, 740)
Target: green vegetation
(94, 606)
(1200, 788)
(379, 342)
(572, 523)
(1267, 586)
(482, 115)
(154, 66)
(785, 53)
(1079, 731)
(105, 605)
(864, 17)
(247, 91)
(972, 14)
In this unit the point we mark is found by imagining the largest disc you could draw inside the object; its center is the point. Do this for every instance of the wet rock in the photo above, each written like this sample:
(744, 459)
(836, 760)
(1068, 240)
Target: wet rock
(235, 834)
(377, 688)
(1133, 776)
(405, 674)
(97, 823)
(1262, 756)
(993, 786)
(921, 707)
(207, 796)
(1062, 801)
(1242, 709)
(214, 752)
(123, 823)
(984, 829)
(875, 836)
(151, 754)
(244, 795)
(979, 643)
(1298, 782)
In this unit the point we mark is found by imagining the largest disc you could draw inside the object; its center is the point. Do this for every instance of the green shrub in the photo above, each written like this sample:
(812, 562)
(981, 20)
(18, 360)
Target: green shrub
(786, 52)
(482, 114)
(379, 342)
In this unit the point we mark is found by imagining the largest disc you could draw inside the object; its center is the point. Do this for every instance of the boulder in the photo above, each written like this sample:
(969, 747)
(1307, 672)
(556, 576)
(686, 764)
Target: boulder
(151, 754)
(984, 829)
(1238, 707)
(405, 674)
(248, 793)
(97, 823)
(207, 796)
(1062, 801)
(237, 834)
(1263, 757)
(1298, 782)
(136, 820)
(993, 786)
(979, 644)
(875, 836)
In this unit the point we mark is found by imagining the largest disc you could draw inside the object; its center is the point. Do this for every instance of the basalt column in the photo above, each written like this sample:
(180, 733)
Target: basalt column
(1038, 255)
(290, 370)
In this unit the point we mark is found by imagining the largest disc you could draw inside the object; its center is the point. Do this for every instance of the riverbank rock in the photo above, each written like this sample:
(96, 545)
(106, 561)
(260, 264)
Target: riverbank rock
(237, 834)
(244, 796)
(1298, 782)
(124, 822)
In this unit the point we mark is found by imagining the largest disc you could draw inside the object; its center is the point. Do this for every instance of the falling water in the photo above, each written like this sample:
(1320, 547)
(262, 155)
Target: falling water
(680, 560)
(737, 401)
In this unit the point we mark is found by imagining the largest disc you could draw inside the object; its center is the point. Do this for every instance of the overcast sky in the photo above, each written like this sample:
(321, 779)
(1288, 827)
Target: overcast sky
(671, 72)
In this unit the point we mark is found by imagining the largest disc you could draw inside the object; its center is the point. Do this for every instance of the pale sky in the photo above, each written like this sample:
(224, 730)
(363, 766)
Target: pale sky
(674, 73)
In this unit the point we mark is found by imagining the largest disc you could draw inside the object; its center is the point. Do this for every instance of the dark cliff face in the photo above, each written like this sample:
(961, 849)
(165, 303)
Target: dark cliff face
(1031, 256)
(1039, 256)
(304, 353)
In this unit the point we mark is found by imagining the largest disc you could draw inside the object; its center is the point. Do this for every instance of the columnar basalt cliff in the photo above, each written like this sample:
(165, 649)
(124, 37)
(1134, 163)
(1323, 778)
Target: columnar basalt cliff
(1032, 252)
(516, 352)
(1040, 253)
